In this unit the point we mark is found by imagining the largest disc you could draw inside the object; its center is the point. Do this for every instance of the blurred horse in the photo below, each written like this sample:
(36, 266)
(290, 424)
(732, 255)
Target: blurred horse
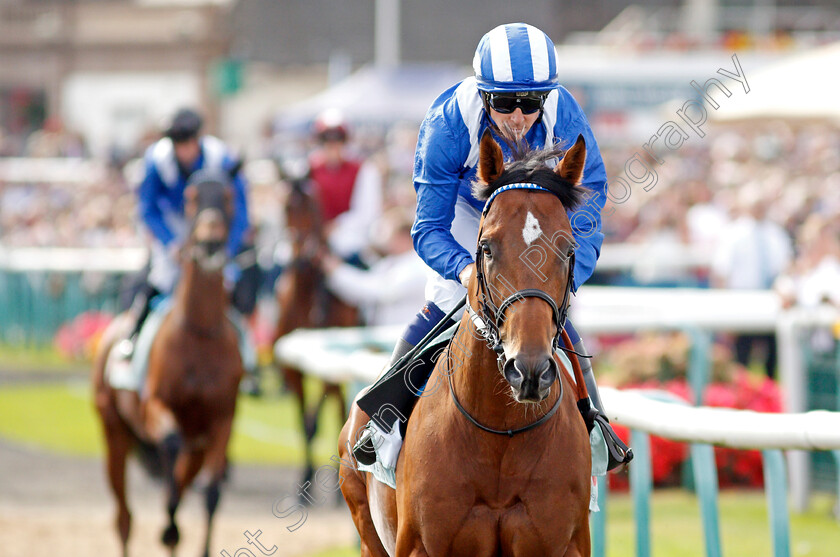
(305, 303)
(194, 369)
(496, 461)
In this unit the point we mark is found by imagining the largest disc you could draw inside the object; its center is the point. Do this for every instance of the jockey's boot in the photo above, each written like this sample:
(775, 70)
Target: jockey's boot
(617, 452)
(400, 402)
(141, 307)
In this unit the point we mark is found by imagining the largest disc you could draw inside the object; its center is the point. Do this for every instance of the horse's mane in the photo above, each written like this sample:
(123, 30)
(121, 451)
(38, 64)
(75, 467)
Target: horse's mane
(531, 166)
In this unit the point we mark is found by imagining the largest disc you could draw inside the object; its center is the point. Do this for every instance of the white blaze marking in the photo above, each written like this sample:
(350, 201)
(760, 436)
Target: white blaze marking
(532, 229)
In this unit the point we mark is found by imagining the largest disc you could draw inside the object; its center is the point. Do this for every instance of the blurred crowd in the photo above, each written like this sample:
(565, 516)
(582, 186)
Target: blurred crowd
(754, 202)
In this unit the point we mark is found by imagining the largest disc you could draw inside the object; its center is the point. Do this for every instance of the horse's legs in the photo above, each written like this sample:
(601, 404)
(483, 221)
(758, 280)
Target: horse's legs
(163, 429)
(294, 381)
(216, 462)
(329, 390)
(118, 439)
(334, 390)
(353, 487)
(187, 465)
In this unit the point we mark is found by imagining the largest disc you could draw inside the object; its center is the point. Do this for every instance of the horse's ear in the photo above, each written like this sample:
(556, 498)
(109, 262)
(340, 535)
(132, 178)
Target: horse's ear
(570, 168)
(491, 161)
(190, 202)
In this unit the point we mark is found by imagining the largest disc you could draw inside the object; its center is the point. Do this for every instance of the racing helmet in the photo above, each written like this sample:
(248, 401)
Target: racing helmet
(515, 57)
(184, 125)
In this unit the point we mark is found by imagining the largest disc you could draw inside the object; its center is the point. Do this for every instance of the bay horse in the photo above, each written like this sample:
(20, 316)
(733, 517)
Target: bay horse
(305, 303)
(194, 369)
(496, 461)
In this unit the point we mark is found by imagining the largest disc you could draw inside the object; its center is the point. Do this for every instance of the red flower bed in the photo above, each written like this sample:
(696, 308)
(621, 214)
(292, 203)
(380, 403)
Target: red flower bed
(78, 338)
(735, 467)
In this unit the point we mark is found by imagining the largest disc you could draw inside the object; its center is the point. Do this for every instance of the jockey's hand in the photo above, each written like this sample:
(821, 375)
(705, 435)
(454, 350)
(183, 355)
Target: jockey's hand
(330, 263)
(467, 274)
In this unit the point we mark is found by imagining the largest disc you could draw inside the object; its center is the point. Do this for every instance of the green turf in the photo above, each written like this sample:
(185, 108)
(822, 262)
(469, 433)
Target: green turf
(60, 417)
(677, 530)
(38, 359)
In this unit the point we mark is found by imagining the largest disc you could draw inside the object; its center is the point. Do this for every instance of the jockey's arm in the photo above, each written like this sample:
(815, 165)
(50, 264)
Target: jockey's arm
(239, 224)
(437, 171)
(586, 219)
(351, 231)
(377, 285)
(150, 191)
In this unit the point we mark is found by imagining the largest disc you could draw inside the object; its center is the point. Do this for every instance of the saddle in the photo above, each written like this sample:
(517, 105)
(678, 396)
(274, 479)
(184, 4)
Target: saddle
(131, 374)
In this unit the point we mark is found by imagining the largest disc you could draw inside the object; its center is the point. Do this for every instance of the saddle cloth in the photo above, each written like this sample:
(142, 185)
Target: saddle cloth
(132, 375)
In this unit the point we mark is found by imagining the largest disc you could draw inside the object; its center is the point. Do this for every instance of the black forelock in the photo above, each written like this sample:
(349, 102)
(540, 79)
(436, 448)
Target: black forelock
(210, 189)
(531, 166)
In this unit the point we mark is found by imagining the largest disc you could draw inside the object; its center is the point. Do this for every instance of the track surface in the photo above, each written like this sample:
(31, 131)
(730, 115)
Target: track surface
(60, 506)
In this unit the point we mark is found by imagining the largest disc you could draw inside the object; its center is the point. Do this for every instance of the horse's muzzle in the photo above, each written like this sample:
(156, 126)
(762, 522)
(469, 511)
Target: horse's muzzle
(530, 376)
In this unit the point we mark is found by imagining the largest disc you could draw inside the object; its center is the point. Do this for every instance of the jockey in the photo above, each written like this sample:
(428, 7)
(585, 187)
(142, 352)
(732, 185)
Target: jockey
(348, 190)
(515, 93)
(169, 163)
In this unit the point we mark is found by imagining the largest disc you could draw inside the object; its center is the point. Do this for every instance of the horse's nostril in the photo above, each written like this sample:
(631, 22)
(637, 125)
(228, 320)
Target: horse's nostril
(548, 373)
(513, 374)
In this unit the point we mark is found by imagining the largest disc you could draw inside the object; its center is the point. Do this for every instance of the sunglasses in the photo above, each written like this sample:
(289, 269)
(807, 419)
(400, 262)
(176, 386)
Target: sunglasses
(507, 103)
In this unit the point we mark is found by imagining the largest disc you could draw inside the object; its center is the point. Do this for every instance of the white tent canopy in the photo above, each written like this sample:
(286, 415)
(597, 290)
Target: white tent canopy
(804, 86)
(379, 95)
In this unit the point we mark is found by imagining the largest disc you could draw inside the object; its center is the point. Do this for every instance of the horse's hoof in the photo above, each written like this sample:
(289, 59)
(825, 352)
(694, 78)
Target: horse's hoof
(170, 536)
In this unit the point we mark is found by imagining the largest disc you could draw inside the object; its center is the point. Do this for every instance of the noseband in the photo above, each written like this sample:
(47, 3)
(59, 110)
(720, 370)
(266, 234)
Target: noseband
(491, 317)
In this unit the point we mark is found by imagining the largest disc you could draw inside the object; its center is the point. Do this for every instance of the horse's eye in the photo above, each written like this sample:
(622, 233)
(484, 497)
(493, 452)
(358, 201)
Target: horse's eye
(485, 249)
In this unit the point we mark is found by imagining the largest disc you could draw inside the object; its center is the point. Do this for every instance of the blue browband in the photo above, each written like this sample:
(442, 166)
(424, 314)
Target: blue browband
(521, 186)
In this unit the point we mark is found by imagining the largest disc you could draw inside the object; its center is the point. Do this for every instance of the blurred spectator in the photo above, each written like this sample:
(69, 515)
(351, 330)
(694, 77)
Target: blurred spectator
(663, 236)
(752, 252)
(391, 290)
(814, 277)
(705, 218)
(349, 190)
(55, 141)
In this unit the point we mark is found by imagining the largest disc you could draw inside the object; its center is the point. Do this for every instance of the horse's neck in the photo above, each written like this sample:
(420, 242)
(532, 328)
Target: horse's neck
(479, 386)
(201, 300)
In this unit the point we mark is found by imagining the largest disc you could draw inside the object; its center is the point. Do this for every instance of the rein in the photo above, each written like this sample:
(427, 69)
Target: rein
(508, 432)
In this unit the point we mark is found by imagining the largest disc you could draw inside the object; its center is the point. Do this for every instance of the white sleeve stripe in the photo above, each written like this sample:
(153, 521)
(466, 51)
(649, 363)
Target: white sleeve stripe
(164, 161)
(539, 53)
(214, 152)
(500, 55)
(470, 106)
(549, 118)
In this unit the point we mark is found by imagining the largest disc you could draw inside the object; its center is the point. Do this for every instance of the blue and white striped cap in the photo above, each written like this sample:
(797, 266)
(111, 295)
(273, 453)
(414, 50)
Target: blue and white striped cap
(515, 57)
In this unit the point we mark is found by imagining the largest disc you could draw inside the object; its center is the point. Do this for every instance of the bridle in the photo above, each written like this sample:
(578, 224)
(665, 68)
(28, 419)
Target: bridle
(488, 319)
